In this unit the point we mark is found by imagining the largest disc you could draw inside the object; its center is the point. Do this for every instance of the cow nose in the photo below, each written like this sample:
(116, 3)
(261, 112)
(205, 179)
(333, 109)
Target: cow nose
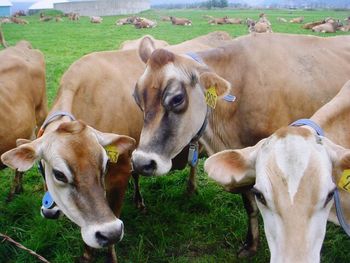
(53, 213)
(143, 165)
(105, 238)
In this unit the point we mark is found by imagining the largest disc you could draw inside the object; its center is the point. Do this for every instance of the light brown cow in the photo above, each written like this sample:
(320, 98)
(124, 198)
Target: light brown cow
(218, 21)
(345, 28)
(142, 22)
(310, 25)
(295, 172)
(74, 16)
(5, 20)
(96, 19)
(23, 103)
(234, 21)
(268, 97)
(97, 89)
(19, 21)
(260, 27)
(297, 20)
(180, 21)
(126, 20)
(329, 27)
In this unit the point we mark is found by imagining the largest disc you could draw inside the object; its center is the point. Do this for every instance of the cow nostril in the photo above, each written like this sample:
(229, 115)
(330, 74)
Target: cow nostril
(101, 239)
(150, 167)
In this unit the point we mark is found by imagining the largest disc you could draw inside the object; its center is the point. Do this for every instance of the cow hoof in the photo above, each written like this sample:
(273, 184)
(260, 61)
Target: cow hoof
(246, 252)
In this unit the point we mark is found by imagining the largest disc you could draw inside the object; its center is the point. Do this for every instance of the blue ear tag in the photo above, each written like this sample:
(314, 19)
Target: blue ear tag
(229, 98)
(48, 202)
(193, 154)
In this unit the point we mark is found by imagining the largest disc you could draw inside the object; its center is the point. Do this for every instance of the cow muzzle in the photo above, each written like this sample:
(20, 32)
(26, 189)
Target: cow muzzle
(50, 213)
(149, 164)
(102, 235)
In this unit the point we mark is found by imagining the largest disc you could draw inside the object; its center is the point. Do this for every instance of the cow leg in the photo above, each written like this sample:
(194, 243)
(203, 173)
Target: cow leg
(16, 187)
(88, 255)
(138, 200)
(192, 185)
(112, 256)
(252, 239)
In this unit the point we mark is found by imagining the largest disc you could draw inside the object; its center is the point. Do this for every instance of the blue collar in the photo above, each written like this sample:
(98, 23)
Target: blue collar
(310, 123)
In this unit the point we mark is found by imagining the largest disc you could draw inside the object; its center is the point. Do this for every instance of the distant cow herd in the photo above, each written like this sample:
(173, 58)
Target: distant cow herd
(287, 170)
(261, 25)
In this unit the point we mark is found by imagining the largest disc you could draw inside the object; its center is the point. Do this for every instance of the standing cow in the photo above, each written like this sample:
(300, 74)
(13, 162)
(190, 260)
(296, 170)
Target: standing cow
(97, 89)
(23, 103)
(296, 172)
(272, 88)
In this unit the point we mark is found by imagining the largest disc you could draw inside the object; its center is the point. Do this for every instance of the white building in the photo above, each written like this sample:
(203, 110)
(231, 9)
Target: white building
(44, 5)
(103, 7)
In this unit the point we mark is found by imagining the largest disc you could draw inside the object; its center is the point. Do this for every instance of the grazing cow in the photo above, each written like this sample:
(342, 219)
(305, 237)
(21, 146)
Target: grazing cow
(265, 100)
(218, 21)
(23, 103)
(96, 19)
(74, 16)
(295, 172)
(297, 20)
(234, 21)
(165, 18)
(19, 21)
(180, 21)
(281, 20)
(94, 86)
(310, 25)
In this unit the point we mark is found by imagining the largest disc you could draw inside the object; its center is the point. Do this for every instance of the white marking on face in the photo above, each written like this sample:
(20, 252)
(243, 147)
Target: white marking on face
(292, 157)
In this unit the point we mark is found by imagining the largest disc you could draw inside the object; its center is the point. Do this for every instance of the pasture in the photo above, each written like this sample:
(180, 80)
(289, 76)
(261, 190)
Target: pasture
(207, 227)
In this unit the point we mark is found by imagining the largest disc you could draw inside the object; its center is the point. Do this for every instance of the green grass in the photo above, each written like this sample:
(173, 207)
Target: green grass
(207, 227)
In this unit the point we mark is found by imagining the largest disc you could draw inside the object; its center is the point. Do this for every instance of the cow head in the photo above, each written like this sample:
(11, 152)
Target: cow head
(171, 94)
(75, 164)
(294, 173)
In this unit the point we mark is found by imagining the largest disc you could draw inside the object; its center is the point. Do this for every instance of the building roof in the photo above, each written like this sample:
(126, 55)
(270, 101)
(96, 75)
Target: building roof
(45, 4)
(5, 3)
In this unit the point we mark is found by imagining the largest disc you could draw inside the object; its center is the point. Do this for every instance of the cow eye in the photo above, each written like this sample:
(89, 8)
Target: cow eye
(259, 196)
(329, 197)
(60, 176)
(177, 100)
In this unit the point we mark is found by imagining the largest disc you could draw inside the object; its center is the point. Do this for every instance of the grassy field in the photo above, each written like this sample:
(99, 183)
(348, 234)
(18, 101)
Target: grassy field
(207, 227)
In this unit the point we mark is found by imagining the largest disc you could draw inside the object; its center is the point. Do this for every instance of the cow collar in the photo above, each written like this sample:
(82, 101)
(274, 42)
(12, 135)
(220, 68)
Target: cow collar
(47, 201)
(338, 208)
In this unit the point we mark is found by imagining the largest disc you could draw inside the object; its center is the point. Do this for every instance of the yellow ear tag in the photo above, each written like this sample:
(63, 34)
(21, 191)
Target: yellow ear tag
(112, 153)
(211, 97)
(344, 182)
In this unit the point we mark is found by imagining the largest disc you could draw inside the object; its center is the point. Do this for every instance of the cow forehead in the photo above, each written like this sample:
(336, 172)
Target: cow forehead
(290, 160)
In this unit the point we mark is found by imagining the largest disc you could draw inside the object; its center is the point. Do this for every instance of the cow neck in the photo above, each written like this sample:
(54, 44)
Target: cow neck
(211, 119)
(337, 203)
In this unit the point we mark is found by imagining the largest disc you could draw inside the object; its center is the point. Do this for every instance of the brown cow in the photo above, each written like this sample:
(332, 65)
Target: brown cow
(23, 103)
(142, 22)
(310, 25)
(19, 21)
(295, 172)
(297, 20)
(93, 87)
(74, 16)
(330, 27)
(126, 21)
(218, 21)
(265, 100)
(234, 21)
(180, 21)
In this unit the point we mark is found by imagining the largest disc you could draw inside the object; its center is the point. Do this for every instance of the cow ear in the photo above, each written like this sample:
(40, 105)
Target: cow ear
(146, 48)
(21, 158)
(233, 169)
(121, 142)
(211, 79)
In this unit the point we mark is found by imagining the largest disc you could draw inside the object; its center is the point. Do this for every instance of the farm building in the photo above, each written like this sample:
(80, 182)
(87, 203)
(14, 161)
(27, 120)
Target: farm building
(5, 8)
(43, 5)
(103, 7)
